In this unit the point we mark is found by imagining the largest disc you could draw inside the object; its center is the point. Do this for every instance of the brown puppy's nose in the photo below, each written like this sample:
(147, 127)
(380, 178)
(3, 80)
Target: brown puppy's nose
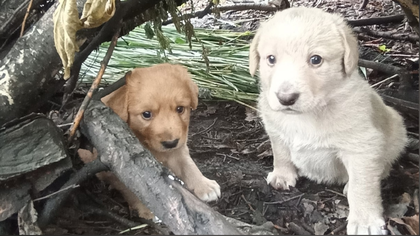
(170, 144)
(287, 99)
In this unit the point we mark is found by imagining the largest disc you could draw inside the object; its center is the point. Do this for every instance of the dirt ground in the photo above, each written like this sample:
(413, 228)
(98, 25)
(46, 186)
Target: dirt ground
(229, 144)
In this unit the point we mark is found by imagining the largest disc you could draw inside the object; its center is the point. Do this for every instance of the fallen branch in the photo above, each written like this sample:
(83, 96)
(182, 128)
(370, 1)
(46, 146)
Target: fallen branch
(121, 151)
(53, 204)
(385, 68)
(389, 35)
(94, 85)
(364, 4)
(297, 229)
(377, 20)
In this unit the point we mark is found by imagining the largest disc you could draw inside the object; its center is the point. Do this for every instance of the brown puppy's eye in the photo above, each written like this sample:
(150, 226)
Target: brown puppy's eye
(271, 60)
(146, 115)
(180, 109)
(315, 60)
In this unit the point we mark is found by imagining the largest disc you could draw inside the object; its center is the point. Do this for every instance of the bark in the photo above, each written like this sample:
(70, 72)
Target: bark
(121, 151)
(13, 198)
(30, 145)
(28, 69)
(11, 15)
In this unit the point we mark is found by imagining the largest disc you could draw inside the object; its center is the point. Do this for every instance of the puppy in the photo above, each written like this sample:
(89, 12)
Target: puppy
(324, 120)
(156, 103)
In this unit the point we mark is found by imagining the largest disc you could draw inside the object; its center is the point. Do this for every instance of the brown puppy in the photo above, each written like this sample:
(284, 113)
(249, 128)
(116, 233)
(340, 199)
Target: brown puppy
(156, 103)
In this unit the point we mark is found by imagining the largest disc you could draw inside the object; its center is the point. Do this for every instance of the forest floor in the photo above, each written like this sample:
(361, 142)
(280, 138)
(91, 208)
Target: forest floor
(229, 144)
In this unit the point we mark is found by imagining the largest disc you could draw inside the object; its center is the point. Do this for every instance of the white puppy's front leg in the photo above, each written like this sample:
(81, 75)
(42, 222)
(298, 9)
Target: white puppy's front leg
(364, 196)
(183, 166)
(284, 173)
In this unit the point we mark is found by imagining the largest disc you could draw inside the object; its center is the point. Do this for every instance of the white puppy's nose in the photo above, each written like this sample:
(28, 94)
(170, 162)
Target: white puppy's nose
(287, 99)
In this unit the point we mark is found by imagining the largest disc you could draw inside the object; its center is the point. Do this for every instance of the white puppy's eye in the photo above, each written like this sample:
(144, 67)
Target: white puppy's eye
(147, 115)
(271, 60)
(315, 60)
(180, 109)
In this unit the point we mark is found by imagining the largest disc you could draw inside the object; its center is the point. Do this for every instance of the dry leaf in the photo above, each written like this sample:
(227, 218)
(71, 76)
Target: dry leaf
(66, 24)
(27, 220)
(413, 222)
(97, 12)
(406, 226)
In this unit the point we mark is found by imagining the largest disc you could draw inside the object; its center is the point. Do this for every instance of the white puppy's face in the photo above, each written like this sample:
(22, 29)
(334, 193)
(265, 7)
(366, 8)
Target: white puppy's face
(301, 59)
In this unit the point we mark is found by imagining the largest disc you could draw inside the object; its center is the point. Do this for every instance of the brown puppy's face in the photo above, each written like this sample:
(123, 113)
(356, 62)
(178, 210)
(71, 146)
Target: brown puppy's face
(159, 102)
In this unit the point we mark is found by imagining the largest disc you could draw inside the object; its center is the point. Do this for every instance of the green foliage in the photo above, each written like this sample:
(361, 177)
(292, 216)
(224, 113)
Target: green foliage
(216, 59)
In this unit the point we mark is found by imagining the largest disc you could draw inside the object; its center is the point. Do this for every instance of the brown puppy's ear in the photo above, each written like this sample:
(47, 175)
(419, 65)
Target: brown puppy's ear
(118, 100)
(194, 94)
(254, 57)
(186, 77)
(351, 48)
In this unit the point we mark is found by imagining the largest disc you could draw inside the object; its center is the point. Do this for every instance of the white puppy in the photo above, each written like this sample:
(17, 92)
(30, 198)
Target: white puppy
(324, 120)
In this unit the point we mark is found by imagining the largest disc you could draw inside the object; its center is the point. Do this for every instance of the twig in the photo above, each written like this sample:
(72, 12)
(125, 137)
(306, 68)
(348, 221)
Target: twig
(335, 192)
(206, 129)
(389, 35)
(339, 229)
(59, 191)
(384, 80)
(284, 201)
(24, 19)
(248, 203)
(90, 209)
(364, 4)
(109, 89)
(94, 85)
(297, 229)
(307, 227)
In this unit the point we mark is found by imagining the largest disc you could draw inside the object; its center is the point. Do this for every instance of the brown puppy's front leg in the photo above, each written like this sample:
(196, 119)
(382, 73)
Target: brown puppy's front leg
(364, 195)
(179, 161)
(284, 173)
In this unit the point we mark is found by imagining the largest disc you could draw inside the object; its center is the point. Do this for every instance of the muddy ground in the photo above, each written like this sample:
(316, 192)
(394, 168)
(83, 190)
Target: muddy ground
(229, 145)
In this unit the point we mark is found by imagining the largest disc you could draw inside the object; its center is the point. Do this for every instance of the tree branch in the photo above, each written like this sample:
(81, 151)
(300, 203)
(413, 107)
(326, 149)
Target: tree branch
(94, 85)
(121, 151)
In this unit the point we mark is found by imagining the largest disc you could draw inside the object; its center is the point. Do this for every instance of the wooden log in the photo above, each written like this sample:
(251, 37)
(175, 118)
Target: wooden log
(12, 198)
(121, 151)
(29, 145)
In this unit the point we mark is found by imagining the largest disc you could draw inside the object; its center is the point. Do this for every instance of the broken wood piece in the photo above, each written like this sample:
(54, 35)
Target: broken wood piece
(29, 145)
(154, 184)
(12, 198)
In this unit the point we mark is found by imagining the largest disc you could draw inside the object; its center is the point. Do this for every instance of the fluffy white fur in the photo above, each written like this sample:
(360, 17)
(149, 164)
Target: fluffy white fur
(338, 130)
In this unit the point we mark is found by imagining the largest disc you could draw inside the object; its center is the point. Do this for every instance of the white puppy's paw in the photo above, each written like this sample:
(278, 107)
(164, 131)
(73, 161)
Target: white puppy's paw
(357, 226)
(207, 190)
(282, 179)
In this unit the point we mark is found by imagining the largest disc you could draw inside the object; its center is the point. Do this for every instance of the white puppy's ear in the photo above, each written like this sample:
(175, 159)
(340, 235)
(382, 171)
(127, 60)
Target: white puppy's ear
(254, 57)
(351, 49)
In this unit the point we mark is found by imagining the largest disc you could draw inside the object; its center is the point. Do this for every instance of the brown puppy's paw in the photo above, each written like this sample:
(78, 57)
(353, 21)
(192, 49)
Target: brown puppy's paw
(282, 179)
(207, 190)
